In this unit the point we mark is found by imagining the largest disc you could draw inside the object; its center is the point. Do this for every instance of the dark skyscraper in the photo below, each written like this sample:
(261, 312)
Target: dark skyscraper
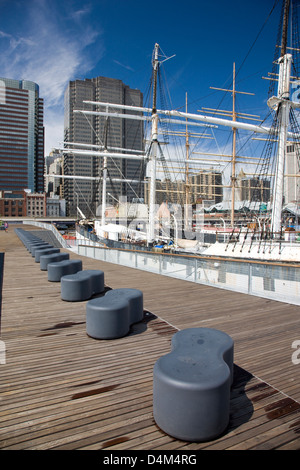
(97, 130)
(21, 136)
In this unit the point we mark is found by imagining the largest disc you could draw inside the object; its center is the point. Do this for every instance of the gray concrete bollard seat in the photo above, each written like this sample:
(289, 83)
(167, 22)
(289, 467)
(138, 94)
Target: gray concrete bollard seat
(62, 268)
(135, 299)
(51, 258)
(108, 319)
(45, 251)
(191, 385)
(38, 246)
(28, 238)
(31, 243)
(82, 285)
(111, 316)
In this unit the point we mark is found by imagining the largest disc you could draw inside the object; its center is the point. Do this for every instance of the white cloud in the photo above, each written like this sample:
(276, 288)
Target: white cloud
(4, 35)
(78, 14)
(124, 66)
(50, 51)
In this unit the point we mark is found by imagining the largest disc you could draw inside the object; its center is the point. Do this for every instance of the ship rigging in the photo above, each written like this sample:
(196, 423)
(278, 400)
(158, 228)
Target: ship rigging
(271, 166)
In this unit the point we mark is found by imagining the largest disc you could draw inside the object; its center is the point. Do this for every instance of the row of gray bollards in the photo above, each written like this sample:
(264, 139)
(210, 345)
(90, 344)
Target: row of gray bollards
(191, 384)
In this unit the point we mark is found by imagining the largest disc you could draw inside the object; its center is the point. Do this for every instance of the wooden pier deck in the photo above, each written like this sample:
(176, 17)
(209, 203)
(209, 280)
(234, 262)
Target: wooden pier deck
(60, 389)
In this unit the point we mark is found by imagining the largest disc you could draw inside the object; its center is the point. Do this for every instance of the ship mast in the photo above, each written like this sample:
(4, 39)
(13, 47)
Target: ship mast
(103, 208)
(154, 147)
(234, 130)
(187, 150)
(281, 104)
(234, 115)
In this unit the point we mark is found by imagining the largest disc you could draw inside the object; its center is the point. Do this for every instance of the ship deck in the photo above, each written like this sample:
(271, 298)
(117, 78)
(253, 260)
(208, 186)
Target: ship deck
(62, 390)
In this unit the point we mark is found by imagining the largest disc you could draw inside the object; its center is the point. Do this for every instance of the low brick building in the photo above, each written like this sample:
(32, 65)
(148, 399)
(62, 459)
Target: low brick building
(13, 204)
(22, 204)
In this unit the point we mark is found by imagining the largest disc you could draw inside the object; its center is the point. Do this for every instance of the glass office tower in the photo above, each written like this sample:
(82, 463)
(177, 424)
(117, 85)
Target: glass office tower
(21, 136)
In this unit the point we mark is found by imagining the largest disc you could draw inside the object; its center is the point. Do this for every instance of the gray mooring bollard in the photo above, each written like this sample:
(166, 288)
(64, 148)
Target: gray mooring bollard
(191, 385)
(112, 315)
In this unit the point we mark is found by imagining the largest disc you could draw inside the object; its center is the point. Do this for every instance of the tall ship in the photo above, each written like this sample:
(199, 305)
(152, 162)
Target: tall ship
(259, 217)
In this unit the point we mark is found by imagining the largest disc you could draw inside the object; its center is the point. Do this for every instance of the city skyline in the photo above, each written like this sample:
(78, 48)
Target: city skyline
(52, 43)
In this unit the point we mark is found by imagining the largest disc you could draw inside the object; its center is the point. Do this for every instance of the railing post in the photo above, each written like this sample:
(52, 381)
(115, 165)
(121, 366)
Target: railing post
(250, 278)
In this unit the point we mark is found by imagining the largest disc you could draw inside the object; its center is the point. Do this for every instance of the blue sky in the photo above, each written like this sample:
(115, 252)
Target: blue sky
(51, 42)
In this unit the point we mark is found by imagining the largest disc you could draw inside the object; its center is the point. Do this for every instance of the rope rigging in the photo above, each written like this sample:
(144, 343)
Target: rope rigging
(264, 175)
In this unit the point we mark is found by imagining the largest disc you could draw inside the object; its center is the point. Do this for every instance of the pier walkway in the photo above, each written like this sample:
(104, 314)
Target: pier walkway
(60, 389)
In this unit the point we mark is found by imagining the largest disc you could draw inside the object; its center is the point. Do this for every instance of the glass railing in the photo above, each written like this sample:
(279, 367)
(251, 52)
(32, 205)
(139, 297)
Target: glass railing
(272, 280)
